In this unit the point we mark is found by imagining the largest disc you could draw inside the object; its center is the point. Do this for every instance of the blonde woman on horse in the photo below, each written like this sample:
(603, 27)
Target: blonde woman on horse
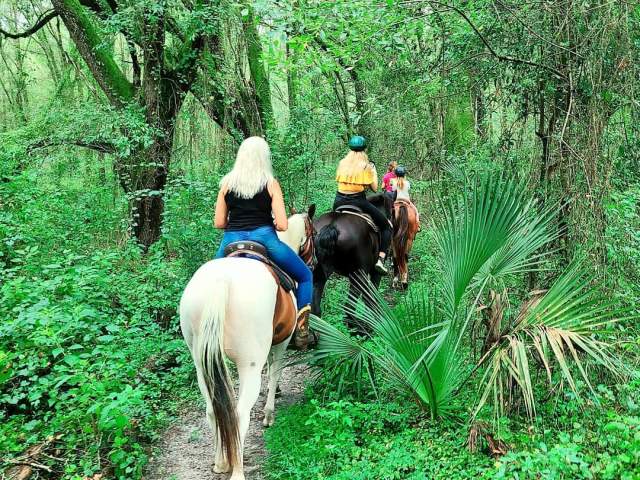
(355, 175)
(234, 309)
(250, 206)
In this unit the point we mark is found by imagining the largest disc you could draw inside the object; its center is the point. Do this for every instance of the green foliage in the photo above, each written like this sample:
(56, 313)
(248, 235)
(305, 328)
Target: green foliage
(623, 245)
(600, 443)
(88, 350)
(193, 238)
(296, 157)
(494, 235)
(89, 347)
(344, 440)
(79, 350)
(610, 452)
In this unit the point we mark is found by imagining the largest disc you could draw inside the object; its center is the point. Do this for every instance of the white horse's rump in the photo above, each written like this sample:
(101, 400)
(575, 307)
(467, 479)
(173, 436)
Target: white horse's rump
(227, 309)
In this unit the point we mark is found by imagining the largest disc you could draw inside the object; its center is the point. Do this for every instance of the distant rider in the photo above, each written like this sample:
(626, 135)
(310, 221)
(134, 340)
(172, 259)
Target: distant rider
(401, 188)
(388, 177)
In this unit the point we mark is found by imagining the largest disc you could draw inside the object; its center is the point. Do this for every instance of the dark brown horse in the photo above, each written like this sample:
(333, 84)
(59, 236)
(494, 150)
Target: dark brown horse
(346, 244)
(405, 227)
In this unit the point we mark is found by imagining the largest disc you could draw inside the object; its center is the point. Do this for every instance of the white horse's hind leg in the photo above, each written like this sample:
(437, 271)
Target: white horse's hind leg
(250, 381)
(220, 465)
(275, 371)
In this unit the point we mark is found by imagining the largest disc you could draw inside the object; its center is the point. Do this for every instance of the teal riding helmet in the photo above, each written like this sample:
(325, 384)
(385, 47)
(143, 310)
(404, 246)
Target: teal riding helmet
(357, 143)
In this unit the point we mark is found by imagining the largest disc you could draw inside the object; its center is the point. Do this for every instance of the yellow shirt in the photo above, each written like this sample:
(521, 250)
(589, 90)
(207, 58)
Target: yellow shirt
(356, 183)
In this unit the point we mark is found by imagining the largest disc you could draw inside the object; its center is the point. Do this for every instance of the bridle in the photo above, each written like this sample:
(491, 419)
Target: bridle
(308, 249)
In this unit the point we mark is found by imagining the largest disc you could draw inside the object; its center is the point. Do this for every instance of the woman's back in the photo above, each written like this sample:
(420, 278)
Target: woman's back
(402, 187)
(249, 213)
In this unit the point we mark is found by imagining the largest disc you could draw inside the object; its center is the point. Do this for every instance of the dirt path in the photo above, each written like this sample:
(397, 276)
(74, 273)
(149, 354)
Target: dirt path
(186, 453)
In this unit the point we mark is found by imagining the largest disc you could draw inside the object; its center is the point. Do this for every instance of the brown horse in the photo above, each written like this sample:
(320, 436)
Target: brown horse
(347, 245)
(405, 227)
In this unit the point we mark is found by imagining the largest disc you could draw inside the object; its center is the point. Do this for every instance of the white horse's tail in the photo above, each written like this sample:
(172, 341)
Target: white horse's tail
(210, 361)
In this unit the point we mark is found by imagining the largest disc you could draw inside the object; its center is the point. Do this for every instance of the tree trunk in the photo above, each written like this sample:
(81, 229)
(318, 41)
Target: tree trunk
(260, 80)
(148, 205)
(90, 44)
(291, 82)
(361, 124)
(162, 102)
(479, 111)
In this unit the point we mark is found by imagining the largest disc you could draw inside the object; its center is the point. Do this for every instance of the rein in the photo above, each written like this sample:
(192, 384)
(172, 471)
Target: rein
(308, 249)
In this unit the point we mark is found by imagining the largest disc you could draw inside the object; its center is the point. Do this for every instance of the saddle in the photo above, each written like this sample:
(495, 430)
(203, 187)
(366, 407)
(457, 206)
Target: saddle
(357, 211)
(284, 315)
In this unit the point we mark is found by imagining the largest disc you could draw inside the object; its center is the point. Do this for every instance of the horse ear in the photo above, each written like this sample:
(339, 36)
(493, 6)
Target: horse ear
(311, 211)
(292, 210)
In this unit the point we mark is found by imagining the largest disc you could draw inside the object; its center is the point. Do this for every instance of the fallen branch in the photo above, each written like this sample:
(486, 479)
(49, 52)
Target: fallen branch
(29, 463)
(26, 463)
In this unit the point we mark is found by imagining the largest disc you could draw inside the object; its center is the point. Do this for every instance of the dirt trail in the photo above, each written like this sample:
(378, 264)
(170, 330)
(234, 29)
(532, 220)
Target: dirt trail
(186, 452)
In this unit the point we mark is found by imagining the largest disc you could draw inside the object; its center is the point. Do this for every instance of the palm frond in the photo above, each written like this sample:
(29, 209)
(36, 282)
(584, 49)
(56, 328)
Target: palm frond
(349, 358)
(559, 330)
(493, 233)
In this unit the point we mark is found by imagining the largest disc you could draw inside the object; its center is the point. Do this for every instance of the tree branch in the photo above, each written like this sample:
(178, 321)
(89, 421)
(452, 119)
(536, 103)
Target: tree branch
(99, 59)
(41, 22)
(99, 146)
(504, 58)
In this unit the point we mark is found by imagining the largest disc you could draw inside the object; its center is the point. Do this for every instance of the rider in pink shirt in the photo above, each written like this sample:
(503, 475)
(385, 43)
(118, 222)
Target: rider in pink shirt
(386, 180)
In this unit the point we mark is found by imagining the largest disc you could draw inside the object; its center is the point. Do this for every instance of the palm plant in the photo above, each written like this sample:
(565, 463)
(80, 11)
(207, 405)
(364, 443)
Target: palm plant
(496, 231)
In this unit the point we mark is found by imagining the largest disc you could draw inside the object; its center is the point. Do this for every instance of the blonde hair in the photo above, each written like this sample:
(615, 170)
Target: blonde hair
(252, 170)
(392, 166)
(353, 164)
(399, 182)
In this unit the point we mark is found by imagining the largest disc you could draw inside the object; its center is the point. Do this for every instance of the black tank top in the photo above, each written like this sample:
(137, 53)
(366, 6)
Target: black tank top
(249, 213)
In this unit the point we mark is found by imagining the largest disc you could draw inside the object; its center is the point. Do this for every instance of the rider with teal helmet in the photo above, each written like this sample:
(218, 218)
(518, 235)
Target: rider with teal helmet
(355, 175)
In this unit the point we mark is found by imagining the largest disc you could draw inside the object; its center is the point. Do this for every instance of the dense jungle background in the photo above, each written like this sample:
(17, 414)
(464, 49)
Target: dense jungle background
(119, 117)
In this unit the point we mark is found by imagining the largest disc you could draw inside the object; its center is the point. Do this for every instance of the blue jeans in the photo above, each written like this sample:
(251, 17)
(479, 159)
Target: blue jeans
(281, 254)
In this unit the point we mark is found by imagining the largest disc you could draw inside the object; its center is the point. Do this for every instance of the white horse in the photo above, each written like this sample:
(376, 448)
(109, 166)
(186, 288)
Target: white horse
(227, 310)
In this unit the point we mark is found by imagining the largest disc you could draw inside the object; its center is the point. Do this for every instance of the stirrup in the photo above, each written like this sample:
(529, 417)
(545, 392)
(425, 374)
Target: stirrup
(301, 333)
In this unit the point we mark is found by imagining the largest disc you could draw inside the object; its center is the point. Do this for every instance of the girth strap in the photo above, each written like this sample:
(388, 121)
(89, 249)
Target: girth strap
(284, 314)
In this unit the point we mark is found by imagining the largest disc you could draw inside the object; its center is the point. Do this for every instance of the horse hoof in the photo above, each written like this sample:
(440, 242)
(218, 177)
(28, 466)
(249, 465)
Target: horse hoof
(269, 418)
(221, 468)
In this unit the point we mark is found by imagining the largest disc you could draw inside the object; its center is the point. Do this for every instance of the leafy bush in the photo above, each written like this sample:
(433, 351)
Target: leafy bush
(611, 452)
(602, 443)
(91, 363)
(77, 362)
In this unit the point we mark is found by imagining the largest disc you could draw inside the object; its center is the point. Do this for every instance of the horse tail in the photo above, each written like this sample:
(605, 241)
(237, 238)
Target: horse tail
(209, 359)
(326, 241)
(401, 233)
